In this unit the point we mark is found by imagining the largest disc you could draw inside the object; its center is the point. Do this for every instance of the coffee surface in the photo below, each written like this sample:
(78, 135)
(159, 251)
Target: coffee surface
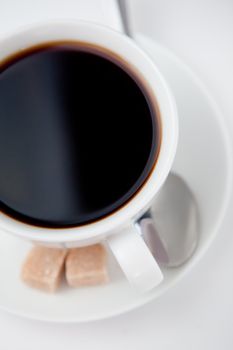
(78, 136)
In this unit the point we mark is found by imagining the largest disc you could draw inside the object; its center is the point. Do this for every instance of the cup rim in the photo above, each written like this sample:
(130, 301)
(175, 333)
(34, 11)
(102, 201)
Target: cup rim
(128, 50)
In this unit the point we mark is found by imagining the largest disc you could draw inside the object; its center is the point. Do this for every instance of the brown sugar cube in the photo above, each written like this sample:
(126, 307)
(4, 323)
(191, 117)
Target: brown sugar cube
(43, 268)
(86, 266)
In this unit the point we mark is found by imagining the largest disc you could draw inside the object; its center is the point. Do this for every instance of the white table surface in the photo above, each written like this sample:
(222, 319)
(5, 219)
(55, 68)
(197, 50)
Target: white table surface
(198, 312)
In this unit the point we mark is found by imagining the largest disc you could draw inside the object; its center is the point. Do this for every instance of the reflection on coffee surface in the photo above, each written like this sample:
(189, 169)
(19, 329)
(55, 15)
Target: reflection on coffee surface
(78, 135)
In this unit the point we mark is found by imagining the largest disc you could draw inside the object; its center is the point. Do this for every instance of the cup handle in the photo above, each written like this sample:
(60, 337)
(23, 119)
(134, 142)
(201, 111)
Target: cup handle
(135, 259)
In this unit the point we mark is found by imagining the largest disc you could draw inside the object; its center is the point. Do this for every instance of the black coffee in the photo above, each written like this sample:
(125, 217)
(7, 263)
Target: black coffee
(78, 135)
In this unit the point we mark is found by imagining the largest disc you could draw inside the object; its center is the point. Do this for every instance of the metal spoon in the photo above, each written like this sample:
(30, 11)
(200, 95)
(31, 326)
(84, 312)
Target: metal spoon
(170, 227)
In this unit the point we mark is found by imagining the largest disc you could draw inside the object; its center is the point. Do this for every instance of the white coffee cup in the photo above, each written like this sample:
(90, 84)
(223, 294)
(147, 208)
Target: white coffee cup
(119, 229)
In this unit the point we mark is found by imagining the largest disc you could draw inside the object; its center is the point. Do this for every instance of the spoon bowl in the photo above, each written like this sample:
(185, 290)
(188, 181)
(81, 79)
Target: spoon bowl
(171, 226)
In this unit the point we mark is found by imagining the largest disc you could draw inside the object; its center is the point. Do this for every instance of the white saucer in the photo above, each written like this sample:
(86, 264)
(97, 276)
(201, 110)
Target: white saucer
(203, 159)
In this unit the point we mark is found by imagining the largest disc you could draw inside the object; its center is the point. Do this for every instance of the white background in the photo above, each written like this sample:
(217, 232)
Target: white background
(198, 312)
